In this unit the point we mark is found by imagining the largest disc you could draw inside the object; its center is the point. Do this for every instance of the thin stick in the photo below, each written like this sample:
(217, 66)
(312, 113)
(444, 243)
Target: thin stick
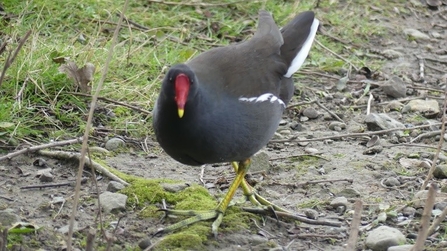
(88, 126)
(297, 156)
(197, 3)
(39, 147)
(10, 59)
(312, 182)
(87, 161)
(329, 111)
(437, 221)
(355, 134)
(425, 219)
(421, 70)
(3, 239)
(441, 141)
(112, 101)
(354, 232)
(368, 108)
(335, 54)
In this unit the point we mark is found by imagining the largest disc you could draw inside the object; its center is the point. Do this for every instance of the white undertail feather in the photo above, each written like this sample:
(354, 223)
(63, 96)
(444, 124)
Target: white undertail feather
(298, 61)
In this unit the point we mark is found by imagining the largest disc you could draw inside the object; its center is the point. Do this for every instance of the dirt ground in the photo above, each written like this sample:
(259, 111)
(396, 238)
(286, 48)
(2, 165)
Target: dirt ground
(340, 158)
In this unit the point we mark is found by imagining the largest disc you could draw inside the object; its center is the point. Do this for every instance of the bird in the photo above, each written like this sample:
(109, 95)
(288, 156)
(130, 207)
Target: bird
(225, 104)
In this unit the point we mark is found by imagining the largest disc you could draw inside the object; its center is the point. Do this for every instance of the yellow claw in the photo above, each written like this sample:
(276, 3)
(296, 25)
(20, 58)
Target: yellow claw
(181, 112)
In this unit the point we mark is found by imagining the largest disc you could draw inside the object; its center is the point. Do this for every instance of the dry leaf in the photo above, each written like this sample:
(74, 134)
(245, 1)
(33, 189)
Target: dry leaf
(82, 77)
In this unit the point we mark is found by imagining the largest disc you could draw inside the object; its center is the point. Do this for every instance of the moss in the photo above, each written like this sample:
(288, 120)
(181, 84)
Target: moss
(236, 219)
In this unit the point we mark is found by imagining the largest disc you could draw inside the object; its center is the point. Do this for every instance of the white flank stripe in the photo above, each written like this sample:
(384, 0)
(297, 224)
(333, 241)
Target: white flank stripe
(264, 97)
(298, 61)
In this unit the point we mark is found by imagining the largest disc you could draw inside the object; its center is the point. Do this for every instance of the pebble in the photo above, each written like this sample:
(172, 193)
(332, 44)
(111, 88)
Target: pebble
(260, 161)
(349, 192)
(174, 187)
(428, 108)
(114, 186)
(114, 144)
(283, 122)
(395, 87)
(145, 243)
(311, 150)
(419, 198)
(8, 217)
(440, 205)
(46, 177)
(112, 202)
(337, 126)
(305, 143)
(383, 237)
(311, 113)
(440, 171)
(391, 182)
(408, 211)
(392, 54)
(415, 34)
(394, 106)
(304, 119)
(285, 132)
(373, 150)
(381, 121)
(311, 213)
(339, 201)
(401, 248)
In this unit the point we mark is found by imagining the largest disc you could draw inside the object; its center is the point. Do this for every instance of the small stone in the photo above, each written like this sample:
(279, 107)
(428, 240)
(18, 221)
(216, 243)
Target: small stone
(114, 144)
(428, 108)
(349, 192)
(419, 198)
(392, 54)
(285, 132)
(394, 106)
(260, 161)
(64, 229)
(334, 125)
(395, 87)
(304, 119)
(408, 211)
(311, 213)
(305, 143)
(381, 121)
(391, 182)
(174, 187)
(401, 248)
(145, 243)
(283, 122)
(339, 201)
(415, 34)
(373, 150)
(440, 171)
(46, 177)
(440, 205)
(39, 162)
(8, 218)
(311, 150)
(383, 237)
(311, 113)
(112, 202)
(114, 186)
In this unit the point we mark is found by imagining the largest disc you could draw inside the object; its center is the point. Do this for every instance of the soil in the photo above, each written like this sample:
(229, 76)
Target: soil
(290, 164)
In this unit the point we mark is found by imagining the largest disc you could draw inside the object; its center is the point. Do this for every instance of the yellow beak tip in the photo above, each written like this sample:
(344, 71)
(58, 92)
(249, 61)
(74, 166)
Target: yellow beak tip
(181, 112)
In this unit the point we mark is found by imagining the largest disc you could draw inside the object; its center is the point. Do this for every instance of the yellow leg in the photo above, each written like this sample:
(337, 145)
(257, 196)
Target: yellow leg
(255, 198)
(216, 214)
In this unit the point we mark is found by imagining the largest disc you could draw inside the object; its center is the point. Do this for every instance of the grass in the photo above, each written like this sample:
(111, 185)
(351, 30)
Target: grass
(36, 101)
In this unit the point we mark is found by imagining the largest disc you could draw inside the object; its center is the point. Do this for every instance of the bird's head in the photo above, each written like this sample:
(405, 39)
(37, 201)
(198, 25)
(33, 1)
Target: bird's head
(180, 79)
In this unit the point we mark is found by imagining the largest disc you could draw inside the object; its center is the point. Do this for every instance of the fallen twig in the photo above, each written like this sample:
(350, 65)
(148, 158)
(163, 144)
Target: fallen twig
(112, 101)
(354, 232)
(329, 236)
(40, 186)
(354, 134)
(3, 239)
(335, 54)
(312, 182)
(201, 4)
(88, 162)
(299, 155)
(426, 135)
(425, 219)
(421, 71)
(368, 108)
(39, 147)
(11, 57)
(292, 216)
(437, 221)
(329, 111)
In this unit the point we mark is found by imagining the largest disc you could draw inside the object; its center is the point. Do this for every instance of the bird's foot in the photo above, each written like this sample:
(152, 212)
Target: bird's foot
(195, 216)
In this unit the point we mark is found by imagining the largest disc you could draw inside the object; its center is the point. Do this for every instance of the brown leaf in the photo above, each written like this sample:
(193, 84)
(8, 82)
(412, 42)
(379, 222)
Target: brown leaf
(82, 77)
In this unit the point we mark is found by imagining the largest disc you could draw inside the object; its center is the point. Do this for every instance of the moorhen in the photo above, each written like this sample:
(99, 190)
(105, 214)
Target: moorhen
(225, 104)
